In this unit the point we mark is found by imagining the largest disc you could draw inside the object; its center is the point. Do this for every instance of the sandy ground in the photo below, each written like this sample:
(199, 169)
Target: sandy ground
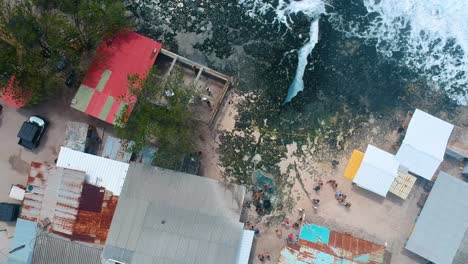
(15, 160)
(386, 221)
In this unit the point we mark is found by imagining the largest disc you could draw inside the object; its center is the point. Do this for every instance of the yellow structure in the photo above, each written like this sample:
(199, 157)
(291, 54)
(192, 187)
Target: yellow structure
(353, 165)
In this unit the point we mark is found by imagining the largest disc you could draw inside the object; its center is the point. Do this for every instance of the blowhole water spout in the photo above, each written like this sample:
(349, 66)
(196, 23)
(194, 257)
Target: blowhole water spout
(285, 8)
(303, 53)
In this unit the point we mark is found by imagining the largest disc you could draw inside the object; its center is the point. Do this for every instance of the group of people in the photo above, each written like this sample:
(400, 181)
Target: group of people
(333, 184)
(341, 197)
(250, 226)
(319, 185)
(264, 257)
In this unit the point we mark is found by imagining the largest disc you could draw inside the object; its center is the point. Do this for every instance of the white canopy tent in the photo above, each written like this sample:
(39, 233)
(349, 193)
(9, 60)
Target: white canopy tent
(424, 145)
(377, 171)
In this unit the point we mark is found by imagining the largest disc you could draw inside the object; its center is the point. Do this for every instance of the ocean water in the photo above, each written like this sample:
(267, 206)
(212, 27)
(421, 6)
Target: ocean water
(430, 37)
(318, 56)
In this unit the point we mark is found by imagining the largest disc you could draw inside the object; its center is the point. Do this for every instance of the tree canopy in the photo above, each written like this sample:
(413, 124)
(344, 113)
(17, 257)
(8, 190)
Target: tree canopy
(43, 41)
(160, 118)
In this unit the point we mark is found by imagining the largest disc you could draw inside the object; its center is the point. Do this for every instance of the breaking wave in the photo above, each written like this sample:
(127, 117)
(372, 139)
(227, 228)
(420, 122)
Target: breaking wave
(428, 36)
(283, 11)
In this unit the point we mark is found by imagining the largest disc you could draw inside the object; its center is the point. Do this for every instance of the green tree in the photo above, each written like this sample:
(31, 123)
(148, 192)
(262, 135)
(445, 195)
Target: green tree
(160, 118)
(93, 19)
(21, 33)
(98, 19)
(35, 36)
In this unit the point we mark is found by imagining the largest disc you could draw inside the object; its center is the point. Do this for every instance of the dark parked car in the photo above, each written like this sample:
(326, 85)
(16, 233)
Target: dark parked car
(31, 132)
(9, 212)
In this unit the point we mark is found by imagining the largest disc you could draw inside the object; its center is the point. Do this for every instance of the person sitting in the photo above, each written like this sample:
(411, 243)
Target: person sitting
(346, 204)
(338, 194)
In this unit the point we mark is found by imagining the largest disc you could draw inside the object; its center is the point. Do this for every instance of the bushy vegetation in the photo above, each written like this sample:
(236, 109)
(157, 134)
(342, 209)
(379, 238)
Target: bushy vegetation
(161, 117)
(42, 42)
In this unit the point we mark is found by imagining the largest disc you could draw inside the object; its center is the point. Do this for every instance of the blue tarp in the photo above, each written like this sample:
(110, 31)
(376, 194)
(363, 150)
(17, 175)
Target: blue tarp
(25, 234)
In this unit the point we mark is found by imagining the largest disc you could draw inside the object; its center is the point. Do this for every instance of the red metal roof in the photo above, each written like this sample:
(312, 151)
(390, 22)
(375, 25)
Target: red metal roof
(347, 246)
(8, 95)
(126, 53)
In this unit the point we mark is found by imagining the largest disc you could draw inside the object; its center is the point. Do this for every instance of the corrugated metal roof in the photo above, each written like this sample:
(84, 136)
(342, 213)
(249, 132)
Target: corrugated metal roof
(100, 171)
(106, 84)
(96, 211)
(246, 247)
(330, 247)
(174, 217)
(69, 194)
(75, 136)
(462, 254)
(352, 248)
(54, 250)
(91, 198)
(25, 234)
(441, 226)
(117, 149)
(55, 195)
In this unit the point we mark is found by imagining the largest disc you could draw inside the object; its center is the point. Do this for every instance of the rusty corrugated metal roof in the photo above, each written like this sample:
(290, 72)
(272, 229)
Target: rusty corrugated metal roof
(55, 195)
(92, 198)
(69, 195)
(95, 215)
(77, 210)
(347, 246)
(339, 248)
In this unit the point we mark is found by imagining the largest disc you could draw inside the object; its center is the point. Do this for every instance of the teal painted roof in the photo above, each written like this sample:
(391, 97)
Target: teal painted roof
(315, 233)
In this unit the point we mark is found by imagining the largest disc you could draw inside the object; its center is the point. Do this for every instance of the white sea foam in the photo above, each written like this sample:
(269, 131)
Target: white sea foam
(285, 8)
(431, 36)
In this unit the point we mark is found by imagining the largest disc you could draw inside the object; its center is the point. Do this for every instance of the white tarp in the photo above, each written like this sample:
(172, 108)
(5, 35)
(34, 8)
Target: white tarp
(100, 171)
(424, 145)
(17, 193)
(377, 171)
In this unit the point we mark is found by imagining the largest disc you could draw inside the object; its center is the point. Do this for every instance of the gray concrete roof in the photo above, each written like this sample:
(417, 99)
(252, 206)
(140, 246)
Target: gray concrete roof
(75, 136)
(441, 226)
(165, 216)
(49, 249)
